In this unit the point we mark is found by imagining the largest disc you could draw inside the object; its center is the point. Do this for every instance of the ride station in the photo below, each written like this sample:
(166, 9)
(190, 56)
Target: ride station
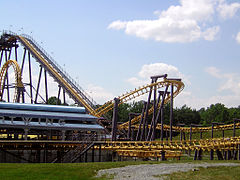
(31, 130)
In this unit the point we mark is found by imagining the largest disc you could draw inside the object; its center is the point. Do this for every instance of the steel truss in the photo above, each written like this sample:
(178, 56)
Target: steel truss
(36, 69)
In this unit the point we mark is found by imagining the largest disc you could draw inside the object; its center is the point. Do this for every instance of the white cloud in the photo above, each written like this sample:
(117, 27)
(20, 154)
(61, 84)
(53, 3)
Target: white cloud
(187, 22)
(227, 11)
(149, 70)
(180, 23)
(189, 99)
(229, 81)
(227, 93)
(210, 33)
(213, 71)
(99, 94)
(238, 37)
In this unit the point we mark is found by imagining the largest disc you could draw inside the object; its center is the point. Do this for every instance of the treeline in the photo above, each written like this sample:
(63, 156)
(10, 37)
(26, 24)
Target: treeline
(185, 115)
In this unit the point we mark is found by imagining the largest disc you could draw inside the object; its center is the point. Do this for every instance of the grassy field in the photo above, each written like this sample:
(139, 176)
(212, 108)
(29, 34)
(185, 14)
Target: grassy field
(212, 173)
(85, 171)
(82, 171)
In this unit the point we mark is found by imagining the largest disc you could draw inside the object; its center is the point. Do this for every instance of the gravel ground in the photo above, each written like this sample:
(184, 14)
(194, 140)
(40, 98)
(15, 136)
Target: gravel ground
(139, 172)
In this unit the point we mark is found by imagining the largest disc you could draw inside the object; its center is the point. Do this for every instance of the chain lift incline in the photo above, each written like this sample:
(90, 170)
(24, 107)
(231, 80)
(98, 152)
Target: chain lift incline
(78, 94)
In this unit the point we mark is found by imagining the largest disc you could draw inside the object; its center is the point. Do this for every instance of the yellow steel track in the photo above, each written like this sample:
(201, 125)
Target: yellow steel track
(139, 92)
(55, 73)
(108, 105)
(205, 145)
(134, 148)
(18, 77)
(195, 129)
(148, 154)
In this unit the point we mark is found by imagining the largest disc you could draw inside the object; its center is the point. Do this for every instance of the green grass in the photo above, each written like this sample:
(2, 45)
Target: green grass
(72, 171)
(211, 173)
(85, 171)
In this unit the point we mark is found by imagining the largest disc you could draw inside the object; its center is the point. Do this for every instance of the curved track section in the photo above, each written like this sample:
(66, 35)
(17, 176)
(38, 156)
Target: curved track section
(166, 82)
(139, 92)
(18, 77)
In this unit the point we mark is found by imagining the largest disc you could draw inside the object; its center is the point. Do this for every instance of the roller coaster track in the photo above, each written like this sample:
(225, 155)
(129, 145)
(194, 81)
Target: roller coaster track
(75, 91)
(78, 94)
(200, 129)
(205, 145)
(18, 77)
(178, 88)
(83, 98)
(139, 92)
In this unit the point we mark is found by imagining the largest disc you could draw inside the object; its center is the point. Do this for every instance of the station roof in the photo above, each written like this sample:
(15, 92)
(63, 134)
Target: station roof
(42, 107)
(43, 125)
(66, 114)
(49, 115)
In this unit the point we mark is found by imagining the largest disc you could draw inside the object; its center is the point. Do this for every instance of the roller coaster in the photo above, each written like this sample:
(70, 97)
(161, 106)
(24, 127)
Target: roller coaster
(17, 51)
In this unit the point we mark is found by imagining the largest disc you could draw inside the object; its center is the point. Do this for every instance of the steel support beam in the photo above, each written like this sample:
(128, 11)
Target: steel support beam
(171, 111)
(38, 85)
(16, 57)
(23, 60)
(30, 77)
(152, 126)
(115, 119)
(141, 121)
(64, 97)
(1, 57)
(46, 87)
(145, 123)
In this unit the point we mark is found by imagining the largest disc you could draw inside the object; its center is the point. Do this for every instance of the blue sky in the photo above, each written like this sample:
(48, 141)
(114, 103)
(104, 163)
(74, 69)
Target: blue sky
(111, 47)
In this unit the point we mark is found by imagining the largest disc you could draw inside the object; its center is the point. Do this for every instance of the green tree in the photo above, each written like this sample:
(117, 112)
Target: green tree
(186, 115)
(215, 113)
(54, 101)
